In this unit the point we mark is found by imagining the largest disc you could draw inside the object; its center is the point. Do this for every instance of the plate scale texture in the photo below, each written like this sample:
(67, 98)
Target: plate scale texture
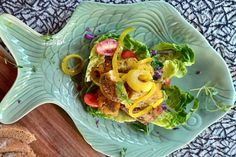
(40, 79)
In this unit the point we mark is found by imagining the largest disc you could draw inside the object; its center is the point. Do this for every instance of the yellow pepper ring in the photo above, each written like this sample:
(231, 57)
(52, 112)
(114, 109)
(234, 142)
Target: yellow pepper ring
(142, 112)
(139, 80)
(136, 103)
(146, 109)
(149, 94)
(160, 96)
(75, 70)
(157, 103)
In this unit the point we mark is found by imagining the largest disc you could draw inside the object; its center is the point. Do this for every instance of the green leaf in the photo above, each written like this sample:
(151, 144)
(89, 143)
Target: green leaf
(177, 99)
(123, 152)
(34, 69)
(95, 112)
(170, 120)
(47, 37)
(121, 118)
(94, 59)
(156, 63)
(171, 51)
(173, 68)
(19, 66)
(122, 93)
(138, 47)
(106, 36)
(147, 129)
(210, 92)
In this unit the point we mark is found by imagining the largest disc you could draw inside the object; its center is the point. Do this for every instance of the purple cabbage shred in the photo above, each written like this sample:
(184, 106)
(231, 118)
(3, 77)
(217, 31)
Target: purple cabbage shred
(164, 107)
(88, 29)
(89, 36)
(153, 52)
(157, 74)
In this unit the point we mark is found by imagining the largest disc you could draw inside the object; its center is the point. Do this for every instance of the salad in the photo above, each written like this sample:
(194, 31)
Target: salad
(128, 82)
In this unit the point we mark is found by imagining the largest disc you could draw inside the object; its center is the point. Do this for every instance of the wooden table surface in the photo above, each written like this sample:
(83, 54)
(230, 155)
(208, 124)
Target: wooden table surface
(56, 133)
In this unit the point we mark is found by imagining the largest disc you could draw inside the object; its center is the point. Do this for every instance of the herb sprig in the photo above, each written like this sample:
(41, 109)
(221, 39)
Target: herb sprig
(123, 152)
(210, 93)
(147, 129)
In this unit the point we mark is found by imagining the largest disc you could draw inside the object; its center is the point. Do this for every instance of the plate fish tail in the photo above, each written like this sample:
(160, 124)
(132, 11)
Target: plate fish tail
(28, 49)
(26, 45)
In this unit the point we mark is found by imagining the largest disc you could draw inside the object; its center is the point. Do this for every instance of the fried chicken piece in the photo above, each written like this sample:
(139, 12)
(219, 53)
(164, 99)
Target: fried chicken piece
(150, 116)
(107, 106)
(108, 86)
(100, 69)
(125, 65)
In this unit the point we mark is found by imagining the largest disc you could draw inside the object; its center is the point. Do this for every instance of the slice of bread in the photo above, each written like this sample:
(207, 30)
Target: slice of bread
(13, 145)
(17, 132)
(19, 154)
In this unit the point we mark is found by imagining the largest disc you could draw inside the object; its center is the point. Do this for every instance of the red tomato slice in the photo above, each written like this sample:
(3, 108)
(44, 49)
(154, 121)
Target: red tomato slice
(166, 82)
(91, 100)
(107, 47)
(128, 54)
(159, 110)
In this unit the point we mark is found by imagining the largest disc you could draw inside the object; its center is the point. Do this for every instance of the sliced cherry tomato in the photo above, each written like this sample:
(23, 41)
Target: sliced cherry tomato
(91, 99)
(166, 82)
(159, 110)
(107, 47)
(128, 54)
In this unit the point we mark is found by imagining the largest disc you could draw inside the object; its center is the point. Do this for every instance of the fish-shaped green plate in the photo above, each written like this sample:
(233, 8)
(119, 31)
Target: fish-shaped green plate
(40, 79)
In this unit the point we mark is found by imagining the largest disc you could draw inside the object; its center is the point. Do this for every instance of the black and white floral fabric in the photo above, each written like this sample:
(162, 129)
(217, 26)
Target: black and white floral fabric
(215, 19)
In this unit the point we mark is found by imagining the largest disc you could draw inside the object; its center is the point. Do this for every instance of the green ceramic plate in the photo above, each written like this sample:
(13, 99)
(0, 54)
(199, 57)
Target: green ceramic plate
(40, 79)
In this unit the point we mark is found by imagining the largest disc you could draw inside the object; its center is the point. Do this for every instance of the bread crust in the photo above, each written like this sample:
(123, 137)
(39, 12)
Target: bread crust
(17, 132)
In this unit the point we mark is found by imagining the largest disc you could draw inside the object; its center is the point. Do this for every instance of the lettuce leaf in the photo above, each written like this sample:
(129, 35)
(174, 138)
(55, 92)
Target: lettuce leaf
(95, 112)
(171, 51)
(106, 36)
(174, 68)
(156, 64)
(140, 49)
(178, 106)
(121, 118)
(94, 60)
(122, 93)
(147, 129)
(175, 58)
(166, 120)
(177, 99)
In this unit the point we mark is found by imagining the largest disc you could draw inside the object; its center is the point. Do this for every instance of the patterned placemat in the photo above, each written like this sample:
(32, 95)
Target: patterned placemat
(215, 19)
